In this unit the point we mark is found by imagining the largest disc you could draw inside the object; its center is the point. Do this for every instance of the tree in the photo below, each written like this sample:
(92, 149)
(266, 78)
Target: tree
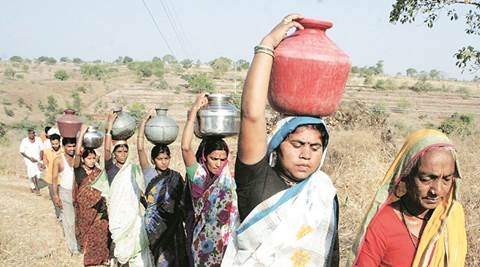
(51, 110)
(242, 64)
(169, 59)
(77, 60)
(9, 73)
(186, 63)
(411, 72)
(61, 75)
(127, 59)
(406, 11)
(378, 69)
(220, 65)
(435, 74)
(16, 59)
(199, 82)
(64, 59)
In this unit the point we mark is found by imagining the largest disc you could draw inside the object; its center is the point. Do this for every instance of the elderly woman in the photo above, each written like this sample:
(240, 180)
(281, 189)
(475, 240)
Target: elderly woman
(287, 205)
(415, 219)
(122, 185)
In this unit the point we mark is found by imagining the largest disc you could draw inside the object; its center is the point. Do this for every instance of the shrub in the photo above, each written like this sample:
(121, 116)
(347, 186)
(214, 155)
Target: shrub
(422, 86)
(61, 75)
(137, 110)
(9, 73)
(77, 102)
(220, 66)
(199, 82)
(24, 124)
(3, 129)
(51, 61)
(97, 72)
(25, 68)
(64, 59)
(161, 84)
(9, 112)
(77, 60)
(387, 84)
(186, 63)
(16, 59)
(458, 124)
(242, 64)
(82, 89)
(21, 102)
(51, 110)
(19, 76)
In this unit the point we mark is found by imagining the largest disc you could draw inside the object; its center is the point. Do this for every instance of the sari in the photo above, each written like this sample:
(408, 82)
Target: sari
(126, 214)
(294, 227)
(91, 224)
(163, 219)
(443, 241)
(215, 214)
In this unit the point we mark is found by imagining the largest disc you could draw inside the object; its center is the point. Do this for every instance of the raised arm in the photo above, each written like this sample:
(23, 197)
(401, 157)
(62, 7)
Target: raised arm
(187, 151)
(252, 140)
(107, 146)
(142, 156)
(78, 148)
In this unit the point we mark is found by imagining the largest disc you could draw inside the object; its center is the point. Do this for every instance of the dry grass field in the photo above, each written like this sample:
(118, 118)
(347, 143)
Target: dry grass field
(361, 148)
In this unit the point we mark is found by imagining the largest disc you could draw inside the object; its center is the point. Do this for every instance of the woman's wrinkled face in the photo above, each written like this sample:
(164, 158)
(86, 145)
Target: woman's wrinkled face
(215, 160)
(90, 160)
(121, 154)
(433, 180)
(300, 154)
(162, 161)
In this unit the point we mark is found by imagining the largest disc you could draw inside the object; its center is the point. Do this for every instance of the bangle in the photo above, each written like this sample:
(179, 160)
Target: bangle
(264, 49)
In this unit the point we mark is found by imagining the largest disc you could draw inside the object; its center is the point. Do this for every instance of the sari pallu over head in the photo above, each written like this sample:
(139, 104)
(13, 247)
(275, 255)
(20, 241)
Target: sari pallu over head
(215, 211)
(443, 241)
(294, 227)
(125, 214)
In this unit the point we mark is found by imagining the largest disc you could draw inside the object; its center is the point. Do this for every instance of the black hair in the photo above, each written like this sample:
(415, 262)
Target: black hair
(158, 149)
(319, 127)
(31, 130)
(88, 151)
(54, 137)
(118, 146)
(210, 144)
(47, 128)
(69, 140)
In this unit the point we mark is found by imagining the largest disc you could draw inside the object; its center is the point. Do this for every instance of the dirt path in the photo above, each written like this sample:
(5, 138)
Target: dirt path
(29, 232)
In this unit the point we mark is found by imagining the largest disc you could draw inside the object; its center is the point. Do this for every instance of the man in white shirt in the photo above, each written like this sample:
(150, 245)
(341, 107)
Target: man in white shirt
(31, 148)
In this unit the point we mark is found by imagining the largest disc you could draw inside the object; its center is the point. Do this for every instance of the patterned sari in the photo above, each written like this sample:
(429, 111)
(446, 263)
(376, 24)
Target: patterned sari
(91, 225)
(215, 215)
(163, 219)
(443, 241)
(294, 227)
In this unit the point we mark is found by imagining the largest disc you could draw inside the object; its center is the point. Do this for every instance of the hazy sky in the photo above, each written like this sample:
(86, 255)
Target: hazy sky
(206, 29)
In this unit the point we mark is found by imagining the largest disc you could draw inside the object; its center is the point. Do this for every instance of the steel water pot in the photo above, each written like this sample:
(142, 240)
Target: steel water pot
(93, 138)
(218, 118)
(161, 129)
(124, 125)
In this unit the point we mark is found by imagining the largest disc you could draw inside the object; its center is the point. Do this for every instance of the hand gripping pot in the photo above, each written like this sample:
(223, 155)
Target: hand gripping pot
(93, 138)
(161, 129)
(218, 118)
(123, 126)
(309, 72)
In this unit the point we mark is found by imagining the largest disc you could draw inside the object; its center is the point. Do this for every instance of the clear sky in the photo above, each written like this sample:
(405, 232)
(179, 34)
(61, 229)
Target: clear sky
(206, 29)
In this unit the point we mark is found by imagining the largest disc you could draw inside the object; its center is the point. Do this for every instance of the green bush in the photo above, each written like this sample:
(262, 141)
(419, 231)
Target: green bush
(51, 110)
(387, 84)
(137, 110)
(77, 60)
(61, 75)
(24, 124)
(422, 85)
(9, 112)
(96, 72)
(199, 82)
(16, 59)
(9, 73)
(161, 84)
(19, 76)
(458, 124)
(64, 59)
(186, 63)
(220, 66)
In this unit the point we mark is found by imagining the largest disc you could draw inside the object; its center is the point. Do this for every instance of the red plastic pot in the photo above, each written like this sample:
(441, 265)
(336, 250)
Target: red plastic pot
(69, 124)
(309, 72)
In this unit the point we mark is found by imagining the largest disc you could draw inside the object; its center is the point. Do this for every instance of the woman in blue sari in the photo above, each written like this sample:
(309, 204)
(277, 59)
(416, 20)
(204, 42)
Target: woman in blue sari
(163, 194)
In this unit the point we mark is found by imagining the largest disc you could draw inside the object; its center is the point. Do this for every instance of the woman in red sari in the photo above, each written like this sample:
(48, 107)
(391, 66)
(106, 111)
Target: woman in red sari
(91, 220)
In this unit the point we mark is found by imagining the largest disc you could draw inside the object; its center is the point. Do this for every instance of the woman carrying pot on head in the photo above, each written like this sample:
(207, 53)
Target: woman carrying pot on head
(91, 219)
(163, 199)
(122, 185)
(212, 191)
(287, 205)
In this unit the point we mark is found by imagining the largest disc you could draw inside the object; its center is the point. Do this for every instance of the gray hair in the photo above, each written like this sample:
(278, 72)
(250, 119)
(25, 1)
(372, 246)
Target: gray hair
(412, 167)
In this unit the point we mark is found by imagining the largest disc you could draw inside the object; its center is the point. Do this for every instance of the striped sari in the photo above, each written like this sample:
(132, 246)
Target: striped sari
(443, 241)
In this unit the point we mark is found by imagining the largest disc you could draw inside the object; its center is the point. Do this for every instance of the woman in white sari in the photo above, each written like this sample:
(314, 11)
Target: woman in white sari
(287, 205)
(122, 185)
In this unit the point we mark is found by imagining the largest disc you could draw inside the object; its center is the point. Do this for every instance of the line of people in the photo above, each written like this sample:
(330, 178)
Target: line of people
(278, 208)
